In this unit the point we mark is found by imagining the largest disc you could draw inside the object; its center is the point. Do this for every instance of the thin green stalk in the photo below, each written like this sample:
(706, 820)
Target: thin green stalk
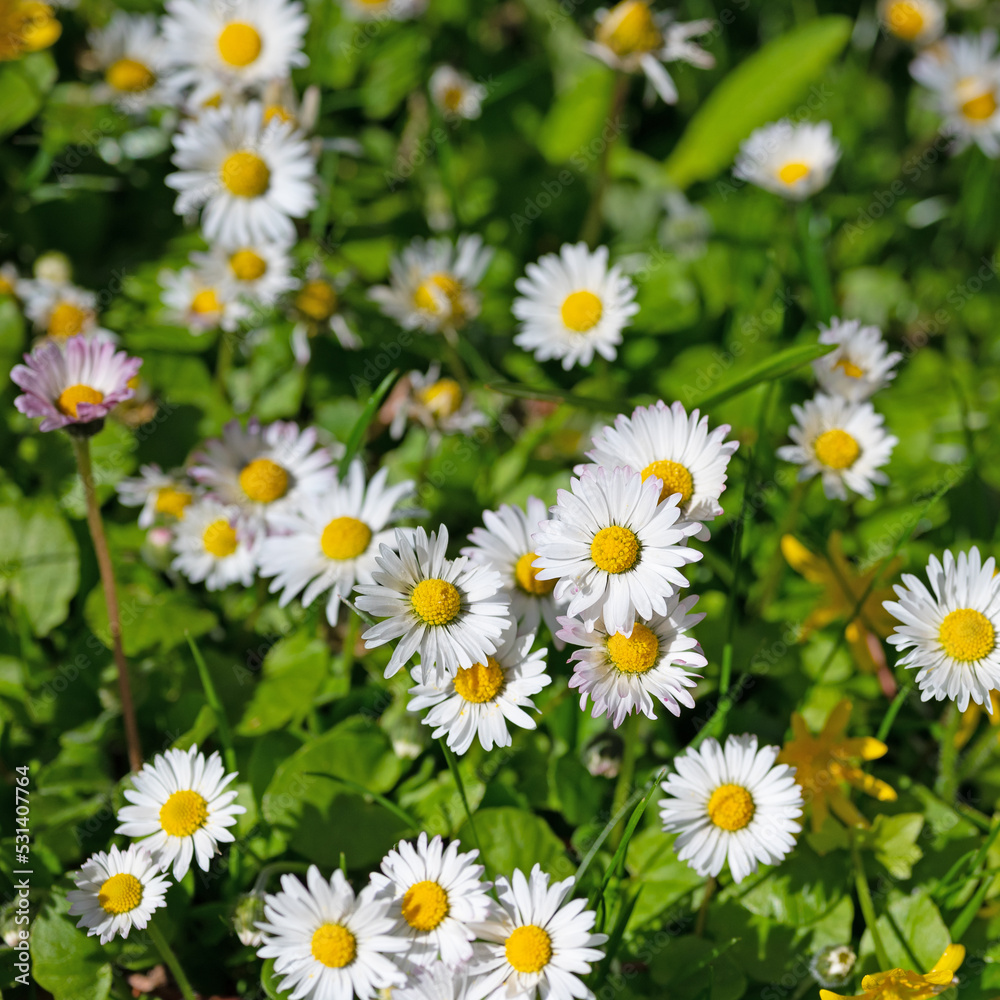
(971, 908)
(699, 924)
(453, 767)
(346, 660)
(890, 716)
(947, 779)
(171, 960)
(867, 906)
(815, 263)
(215, 703)
(626, 773)
(591, 228)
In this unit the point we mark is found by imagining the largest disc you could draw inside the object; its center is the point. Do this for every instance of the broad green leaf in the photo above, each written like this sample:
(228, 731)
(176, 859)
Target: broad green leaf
(800, 890)
(776, 366)
(693, 967)
(577, 128)
(761, 89)
(23, 86)
(513, 838)
(912, 931)
(293, 671)
(66, 962)
(894, 841)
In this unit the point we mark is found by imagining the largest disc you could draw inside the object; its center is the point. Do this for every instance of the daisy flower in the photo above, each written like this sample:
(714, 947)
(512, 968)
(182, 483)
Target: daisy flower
(214, 544)
(194, 300)
(116, 891)
(625, 674)
(615, 548)
(963, 74)
(536, 944)
(450, 611)
(60, 310)
(732, 805)
(251, 178)
(384, 10)
(951, 630)
(632, 38)
(918, 22)
(76, 386)
(328, 542)
(258, 272)
(456, 94)
(436, 403)
(327, 943)
(435, 894)
(264, 469)
(793, 160)
(237, 45)
(677, 450)
(158, 493)
(505, 545)
(128, 51)
(843, 442)
(180, 809)
(432, 282)
(480, 700)
(859, 366)
(316, 307)
(572, 304)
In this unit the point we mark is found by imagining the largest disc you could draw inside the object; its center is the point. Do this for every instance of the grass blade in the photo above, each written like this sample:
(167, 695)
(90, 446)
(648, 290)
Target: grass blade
(360, 428)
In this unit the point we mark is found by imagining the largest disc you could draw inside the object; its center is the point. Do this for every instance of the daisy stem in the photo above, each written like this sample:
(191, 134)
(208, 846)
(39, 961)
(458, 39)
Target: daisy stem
(867, 906)
(170, 959)
(815, 264)
(591, 228)
(460, 785)
(81, 447)
(626, 775)
(224, 359)
(947, 779)
(699, 924)
(215, 703)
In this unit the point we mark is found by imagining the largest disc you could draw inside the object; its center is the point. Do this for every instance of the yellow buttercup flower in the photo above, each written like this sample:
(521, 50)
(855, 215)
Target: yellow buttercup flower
(842, 587)
(26, 26)
(902, 984)
(825, 762)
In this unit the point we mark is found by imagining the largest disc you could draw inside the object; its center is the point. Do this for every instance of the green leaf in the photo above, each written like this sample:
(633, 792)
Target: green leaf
(912, 931)
(41, 560)
(572, 130)
(690, 964)
(514, 838)
(66, 962)
(894, 841)
(293, 671)
(776, 366)
(800, 890)
(363, 422)
(760, 89)
(557, 396)
(23, 86)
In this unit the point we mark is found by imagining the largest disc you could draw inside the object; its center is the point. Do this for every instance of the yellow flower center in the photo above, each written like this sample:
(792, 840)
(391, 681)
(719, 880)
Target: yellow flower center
(731, 807)
(183, 813)
(72, 396)
(172, 501)
(436, 602)
(980, 108)
(792, 172)
(836, 449)
(850, 369)
(205, 302)
(615, 549)
(334, 946)
(674, 476)
(452, 98)
(264, 481)
(67, 320)
(247, 265)
(904, 20)
(121, 893)
(527, 576)
(425, 905)
(428, 296)
(345, 538)
(219, 539)
(634, 654)
(317, 300)
(130, 76)
(245, 174)
(273, 111)
(529, 948)
(443, 398)
(629, 29)
(480, 682)
(581, 311)
(967, 635)
(239, 44)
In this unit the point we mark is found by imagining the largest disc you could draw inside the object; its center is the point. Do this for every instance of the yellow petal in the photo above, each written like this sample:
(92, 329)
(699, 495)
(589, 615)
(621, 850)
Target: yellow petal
(872, 749)
(836, 723)
(802, 560)
(952, 958)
